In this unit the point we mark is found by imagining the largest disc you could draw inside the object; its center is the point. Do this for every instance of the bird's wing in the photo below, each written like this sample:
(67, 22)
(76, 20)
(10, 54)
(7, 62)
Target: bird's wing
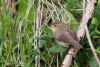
(73, 34)
(67, 38)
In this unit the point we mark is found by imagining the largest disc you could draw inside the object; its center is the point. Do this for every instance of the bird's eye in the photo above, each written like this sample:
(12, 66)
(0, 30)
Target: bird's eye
(55, 25)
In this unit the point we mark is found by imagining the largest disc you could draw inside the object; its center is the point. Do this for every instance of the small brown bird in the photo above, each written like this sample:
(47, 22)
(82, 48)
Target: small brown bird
(63, 33)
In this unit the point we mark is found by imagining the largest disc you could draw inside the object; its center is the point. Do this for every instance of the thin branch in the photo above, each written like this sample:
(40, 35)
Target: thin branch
(37, 30)
(84, 7)
(69, 58)
(88, 10)
(91, 45)
(9, 3)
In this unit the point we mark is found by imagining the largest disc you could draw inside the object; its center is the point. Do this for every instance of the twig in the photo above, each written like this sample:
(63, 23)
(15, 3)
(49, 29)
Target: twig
(91, 45)
(69, 57)
(84, 7)
(88, 10)
(38, 25)
(9, 3)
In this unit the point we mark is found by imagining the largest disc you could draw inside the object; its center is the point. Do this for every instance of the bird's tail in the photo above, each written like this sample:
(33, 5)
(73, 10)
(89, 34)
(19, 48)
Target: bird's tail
(77, 46)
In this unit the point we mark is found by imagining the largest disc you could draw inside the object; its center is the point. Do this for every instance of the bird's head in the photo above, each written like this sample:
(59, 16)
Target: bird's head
(57, 26)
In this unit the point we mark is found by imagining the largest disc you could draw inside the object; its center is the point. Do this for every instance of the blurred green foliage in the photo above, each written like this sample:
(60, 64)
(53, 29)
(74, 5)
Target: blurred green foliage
(17, 36)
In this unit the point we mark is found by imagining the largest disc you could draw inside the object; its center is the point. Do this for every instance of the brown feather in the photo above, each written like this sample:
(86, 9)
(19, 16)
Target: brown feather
(63, 33)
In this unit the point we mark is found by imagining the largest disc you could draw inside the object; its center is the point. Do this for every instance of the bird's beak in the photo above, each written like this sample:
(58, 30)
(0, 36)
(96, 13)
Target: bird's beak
(53, 29)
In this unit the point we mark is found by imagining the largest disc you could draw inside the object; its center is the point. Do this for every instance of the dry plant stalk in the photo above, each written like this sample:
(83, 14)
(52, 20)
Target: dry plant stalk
(37, 30)
(88, 10)
(9, 5)
(91, 45)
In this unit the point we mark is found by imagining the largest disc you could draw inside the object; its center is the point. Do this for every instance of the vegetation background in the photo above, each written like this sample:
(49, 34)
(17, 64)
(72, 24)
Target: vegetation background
(17, 34)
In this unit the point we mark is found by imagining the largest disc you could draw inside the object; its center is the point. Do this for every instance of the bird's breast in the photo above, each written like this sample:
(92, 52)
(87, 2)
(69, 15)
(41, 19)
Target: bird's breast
(60, 37)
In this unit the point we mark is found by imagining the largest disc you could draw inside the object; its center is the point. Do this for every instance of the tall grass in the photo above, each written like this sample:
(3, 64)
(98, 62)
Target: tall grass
(17, 34)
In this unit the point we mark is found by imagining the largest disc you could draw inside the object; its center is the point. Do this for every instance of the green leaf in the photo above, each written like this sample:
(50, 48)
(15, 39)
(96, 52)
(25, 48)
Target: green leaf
(22, 7)
(94, 20)
(42, 43)
(98, 50)
(57, 49)
(92, 62)
(0, 51)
